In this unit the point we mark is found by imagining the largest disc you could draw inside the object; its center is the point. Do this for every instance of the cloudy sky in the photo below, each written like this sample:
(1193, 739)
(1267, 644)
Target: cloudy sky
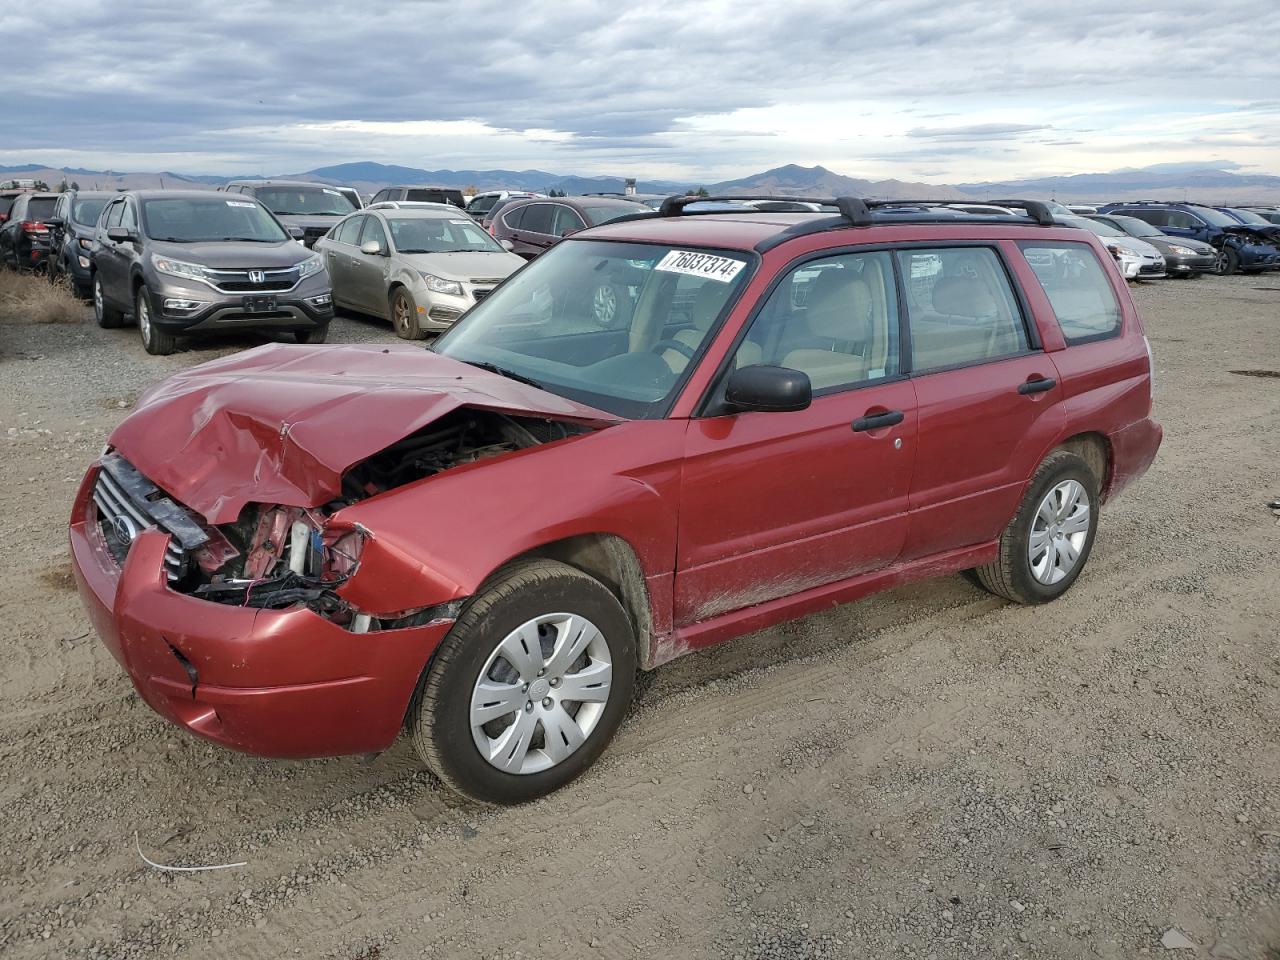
(943, 90)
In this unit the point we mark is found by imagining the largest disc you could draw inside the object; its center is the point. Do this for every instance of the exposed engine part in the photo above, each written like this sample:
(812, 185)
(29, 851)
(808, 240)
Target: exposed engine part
(274, 557)
(461, 437)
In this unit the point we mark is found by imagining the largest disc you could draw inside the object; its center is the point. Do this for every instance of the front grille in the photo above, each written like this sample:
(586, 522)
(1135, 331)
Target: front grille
(128, 503)
(240, 281)
(479, 293)
(1151, 268)
(487, 281)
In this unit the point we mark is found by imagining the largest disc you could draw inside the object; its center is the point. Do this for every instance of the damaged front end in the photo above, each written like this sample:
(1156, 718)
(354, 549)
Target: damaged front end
(278, 556)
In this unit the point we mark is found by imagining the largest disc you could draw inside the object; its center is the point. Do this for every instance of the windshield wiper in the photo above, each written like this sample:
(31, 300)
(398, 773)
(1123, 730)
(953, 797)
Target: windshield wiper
(173, 239)
(503, 371)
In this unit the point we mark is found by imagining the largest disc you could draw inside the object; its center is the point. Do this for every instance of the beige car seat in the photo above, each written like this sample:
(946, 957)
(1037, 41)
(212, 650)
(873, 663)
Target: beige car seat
(839, 313)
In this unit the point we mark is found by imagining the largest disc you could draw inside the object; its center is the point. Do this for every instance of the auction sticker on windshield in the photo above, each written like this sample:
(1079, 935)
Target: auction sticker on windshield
(239, 203)
(697, 264)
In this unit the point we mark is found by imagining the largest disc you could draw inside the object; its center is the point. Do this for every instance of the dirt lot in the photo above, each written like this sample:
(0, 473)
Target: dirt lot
(931, 773)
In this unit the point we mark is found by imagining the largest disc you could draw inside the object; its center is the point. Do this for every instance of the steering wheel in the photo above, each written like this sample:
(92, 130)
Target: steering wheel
(681, 348)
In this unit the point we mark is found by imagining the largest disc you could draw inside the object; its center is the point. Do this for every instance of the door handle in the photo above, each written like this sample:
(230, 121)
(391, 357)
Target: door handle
(1038, 385)
(875, 421)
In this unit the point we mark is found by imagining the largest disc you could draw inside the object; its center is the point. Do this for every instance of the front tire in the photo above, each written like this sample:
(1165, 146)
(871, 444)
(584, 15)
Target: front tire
(529, 686)
(157, 342)
(1047, 543)
(404, 316)
(107, 316)
(1228, 262)
(315, 335)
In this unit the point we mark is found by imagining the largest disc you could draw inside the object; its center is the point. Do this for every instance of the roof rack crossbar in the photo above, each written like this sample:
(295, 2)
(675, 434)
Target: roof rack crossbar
(1036, 209)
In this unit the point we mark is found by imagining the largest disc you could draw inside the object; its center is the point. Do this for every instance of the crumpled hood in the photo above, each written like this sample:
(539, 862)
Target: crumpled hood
(281, 424)
(1254, 232)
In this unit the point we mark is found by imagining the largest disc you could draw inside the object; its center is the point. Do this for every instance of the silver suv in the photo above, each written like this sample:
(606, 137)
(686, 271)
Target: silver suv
(313, 207)
(188, 262)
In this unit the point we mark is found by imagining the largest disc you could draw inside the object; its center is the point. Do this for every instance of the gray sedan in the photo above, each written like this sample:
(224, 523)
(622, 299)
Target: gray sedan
(419, 268)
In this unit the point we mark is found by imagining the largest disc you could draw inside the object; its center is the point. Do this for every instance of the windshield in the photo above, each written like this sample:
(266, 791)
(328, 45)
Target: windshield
(1215, 217)
(613, 325)
(440, 235)
(1248, 216)
(602, 214)
(1101, 229)
(305, 201)
(1137, 228)
(86, 211)
(198, 220)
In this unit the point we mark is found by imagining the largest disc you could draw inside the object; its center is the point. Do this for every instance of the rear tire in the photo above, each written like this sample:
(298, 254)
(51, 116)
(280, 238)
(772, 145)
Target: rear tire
(157, 342)
(1047, 543)
(404, 315)
(107, 316)
(315, 335)
(536, 608)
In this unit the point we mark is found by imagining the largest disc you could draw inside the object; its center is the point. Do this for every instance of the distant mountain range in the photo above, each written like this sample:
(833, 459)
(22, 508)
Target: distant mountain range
(1174, 181)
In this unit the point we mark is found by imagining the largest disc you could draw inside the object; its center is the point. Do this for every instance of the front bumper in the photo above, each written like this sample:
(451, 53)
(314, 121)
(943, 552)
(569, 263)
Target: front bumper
(1200, 263)
(223, 311)
(1257, 257)
(277, 683)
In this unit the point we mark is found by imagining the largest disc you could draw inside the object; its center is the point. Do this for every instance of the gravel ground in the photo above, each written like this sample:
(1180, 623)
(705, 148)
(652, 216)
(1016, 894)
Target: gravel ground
(930, 773)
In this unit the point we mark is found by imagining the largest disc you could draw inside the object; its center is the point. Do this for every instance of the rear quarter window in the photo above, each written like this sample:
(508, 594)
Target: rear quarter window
(1076, 284)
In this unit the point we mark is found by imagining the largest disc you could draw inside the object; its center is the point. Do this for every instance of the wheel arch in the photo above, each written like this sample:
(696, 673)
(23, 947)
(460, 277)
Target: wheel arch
(613, 561)
(1094, 449)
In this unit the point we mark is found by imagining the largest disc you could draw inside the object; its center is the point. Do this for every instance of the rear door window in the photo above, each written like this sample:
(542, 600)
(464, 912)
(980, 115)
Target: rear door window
(513, 218)
(566, 220)
(1077, 287)
(961, 308)
(538, 218)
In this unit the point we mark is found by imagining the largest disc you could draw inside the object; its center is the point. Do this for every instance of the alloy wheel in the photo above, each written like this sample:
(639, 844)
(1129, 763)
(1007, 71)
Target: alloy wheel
(541, 693)
(1059, 532)
(1222, 264)
(401, 311)
(144, 319)
(97, 299)
(604, 305)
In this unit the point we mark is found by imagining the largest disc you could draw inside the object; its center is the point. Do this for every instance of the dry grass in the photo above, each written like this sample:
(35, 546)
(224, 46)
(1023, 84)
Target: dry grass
(31, 298)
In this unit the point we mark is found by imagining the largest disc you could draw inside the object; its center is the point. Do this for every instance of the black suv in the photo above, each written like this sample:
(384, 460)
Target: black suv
(24, 236)
(194, 261)
(428, 194)
(71, 236)
(311, 207)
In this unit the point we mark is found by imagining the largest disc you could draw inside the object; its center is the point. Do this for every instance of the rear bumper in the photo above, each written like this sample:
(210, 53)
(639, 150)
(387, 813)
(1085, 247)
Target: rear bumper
(284, 683)
(1133, 450)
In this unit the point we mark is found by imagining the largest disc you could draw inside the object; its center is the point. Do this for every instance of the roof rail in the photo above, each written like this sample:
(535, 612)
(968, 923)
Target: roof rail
(1037, 210)
(853, 209)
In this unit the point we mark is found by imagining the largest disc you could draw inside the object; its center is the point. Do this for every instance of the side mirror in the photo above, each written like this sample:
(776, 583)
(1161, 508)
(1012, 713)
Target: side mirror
(508, 246)
(121, 234)
(296, 232)
(768, 389)
(371, 247)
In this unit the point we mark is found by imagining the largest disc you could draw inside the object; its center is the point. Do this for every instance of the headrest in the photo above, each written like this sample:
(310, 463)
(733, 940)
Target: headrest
(964, 297)
(839, 307)
(707, 303)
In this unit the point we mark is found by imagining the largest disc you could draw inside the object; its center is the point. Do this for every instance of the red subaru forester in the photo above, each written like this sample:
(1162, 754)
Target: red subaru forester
(297, 551)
